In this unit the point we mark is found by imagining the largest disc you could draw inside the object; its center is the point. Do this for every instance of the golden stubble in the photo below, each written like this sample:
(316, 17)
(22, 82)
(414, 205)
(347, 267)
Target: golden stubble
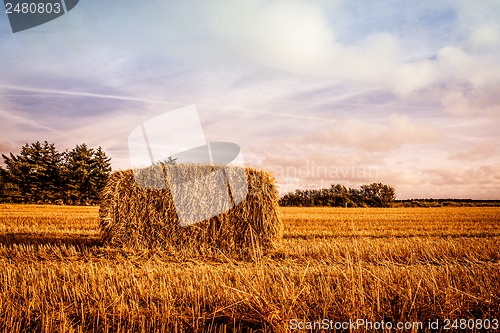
(395, 264)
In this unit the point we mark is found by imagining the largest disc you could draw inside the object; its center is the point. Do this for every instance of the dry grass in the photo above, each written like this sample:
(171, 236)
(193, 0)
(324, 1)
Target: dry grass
(147, 217)
(378, 264)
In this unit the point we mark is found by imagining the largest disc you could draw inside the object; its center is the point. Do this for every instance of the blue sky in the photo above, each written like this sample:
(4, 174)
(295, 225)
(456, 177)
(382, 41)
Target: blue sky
(320, 92)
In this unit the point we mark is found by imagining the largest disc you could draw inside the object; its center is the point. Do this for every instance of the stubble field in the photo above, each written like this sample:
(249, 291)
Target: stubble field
(398, 266)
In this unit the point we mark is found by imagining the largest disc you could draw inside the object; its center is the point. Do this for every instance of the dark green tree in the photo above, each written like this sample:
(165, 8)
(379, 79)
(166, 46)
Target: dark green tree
(39, 173)
(78, 174)
(3, 184)
(86, 173)
(34, 174)
(100, 171)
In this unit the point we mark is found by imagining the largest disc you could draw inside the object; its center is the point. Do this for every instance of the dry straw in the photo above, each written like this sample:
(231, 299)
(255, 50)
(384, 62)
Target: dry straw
(137, 217)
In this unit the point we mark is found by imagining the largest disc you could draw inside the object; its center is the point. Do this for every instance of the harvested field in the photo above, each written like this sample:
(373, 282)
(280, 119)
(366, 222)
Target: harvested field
(393, 265)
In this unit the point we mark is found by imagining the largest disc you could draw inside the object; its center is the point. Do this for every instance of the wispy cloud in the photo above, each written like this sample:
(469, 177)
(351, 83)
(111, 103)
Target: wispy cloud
(45, 92)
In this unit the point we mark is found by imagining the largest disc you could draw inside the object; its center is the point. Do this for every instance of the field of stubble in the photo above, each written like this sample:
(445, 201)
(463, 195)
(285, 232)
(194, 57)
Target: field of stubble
(390, 265)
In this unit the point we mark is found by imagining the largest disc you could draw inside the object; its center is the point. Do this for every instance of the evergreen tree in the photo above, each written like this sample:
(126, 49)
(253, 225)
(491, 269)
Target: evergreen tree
(101, 168)
(78, 174)
(33, 175)
(87, 171)
(50, 182)
(2, 184)
(39, 173)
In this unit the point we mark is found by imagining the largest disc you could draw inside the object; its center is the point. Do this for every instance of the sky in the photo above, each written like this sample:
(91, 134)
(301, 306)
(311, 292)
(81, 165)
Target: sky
(317, 91)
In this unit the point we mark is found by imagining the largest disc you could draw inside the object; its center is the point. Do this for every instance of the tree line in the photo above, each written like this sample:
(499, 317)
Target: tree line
(372, 195)
(41, 174)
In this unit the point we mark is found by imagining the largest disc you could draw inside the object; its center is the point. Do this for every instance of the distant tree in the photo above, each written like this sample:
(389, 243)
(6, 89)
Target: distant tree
(87, 171)
(16, 176)
(2, 183)
(51, 184)
(373, 195)
(34, 174)
(340, 194)
(77, 174)
(100, 171)
(378, 195)
(8, 192)
(39, 173)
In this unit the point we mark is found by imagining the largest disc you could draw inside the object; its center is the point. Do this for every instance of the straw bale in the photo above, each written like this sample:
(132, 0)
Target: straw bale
(138, 211)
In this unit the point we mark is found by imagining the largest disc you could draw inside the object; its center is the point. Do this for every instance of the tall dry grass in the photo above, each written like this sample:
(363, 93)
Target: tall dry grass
(377, 264)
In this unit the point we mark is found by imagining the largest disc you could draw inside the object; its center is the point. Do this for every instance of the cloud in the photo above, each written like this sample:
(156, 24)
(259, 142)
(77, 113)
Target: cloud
(485, 36)
(299, 37)
(485, 175)
(79, 94)
(413, 76)
(455, 64)
(396, 132)
(481, 151)
(349, 151)
(292, 35)
(465, 102)
(367, 61)
(482, 182)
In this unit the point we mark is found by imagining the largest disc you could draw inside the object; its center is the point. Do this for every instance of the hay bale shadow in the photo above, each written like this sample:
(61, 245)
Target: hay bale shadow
(78, 241)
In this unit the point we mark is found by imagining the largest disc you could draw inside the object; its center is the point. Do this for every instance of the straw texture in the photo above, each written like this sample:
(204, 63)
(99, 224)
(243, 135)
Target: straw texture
(146, 217)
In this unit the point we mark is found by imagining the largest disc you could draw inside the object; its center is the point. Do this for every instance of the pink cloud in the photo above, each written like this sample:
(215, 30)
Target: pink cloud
(481, 151)
(396, 132)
